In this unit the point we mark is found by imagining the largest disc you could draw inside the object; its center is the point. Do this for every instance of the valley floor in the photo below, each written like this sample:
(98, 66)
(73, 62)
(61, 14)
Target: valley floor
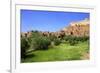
(62, 52)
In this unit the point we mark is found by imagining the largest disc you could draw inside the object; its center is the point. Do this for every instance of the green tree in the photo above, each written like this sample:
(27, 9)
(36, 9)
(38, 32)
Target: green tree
(24, 47)
(40, 43)
(57, 41)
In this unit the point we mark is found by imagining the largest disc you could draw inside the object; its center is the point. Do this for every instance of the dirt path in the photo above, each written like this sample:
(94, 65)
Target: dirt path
(85, 56)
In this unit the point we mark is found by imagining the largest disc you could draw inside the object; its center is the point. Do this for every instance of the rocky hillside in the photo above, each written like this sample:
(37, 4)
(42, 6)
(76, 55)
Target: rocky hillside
(80, 28)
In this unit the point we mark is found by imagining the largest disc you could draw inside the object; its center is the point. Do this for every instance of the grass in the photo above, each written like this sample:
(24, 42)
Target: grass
(61, 52)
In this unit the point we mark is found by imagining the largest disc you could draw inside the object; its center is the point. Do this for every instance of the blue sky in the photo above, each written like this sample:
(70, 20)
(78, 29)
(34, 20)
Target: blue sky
(48, 20)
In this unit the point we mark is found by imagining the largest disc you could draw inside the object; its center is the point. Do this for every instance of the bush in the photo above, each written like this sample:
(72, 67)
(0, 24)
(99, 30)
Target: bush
(24, 47)
(35, 34)
(57, 41)
(40, 43)
(67, 38)
(52, 38)
(72, 43)
(82, 39)
(72, 40)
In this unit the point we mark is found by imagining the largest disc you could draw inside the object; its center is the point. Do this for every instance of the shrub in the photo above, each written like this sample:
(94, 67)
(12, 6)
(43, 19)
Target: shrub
(24, 47)
(57, 41)
(35, 34)
(72, 43)
(72, 40)
(67, 38)
(40, 43)
(52, 38)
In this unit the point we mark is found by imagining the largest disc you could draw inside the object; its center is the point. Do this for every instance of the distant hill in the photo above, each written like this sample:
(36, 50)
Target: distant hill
(79, 28)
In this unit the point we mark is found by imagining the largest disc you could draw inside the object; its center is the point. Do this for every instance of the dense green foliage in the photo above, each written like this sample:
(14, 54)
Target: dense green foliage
(73, 40)
(41, 43)
(57, 41)
(58, 53)
(52, 38)
(24, 47)
(66, 48)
